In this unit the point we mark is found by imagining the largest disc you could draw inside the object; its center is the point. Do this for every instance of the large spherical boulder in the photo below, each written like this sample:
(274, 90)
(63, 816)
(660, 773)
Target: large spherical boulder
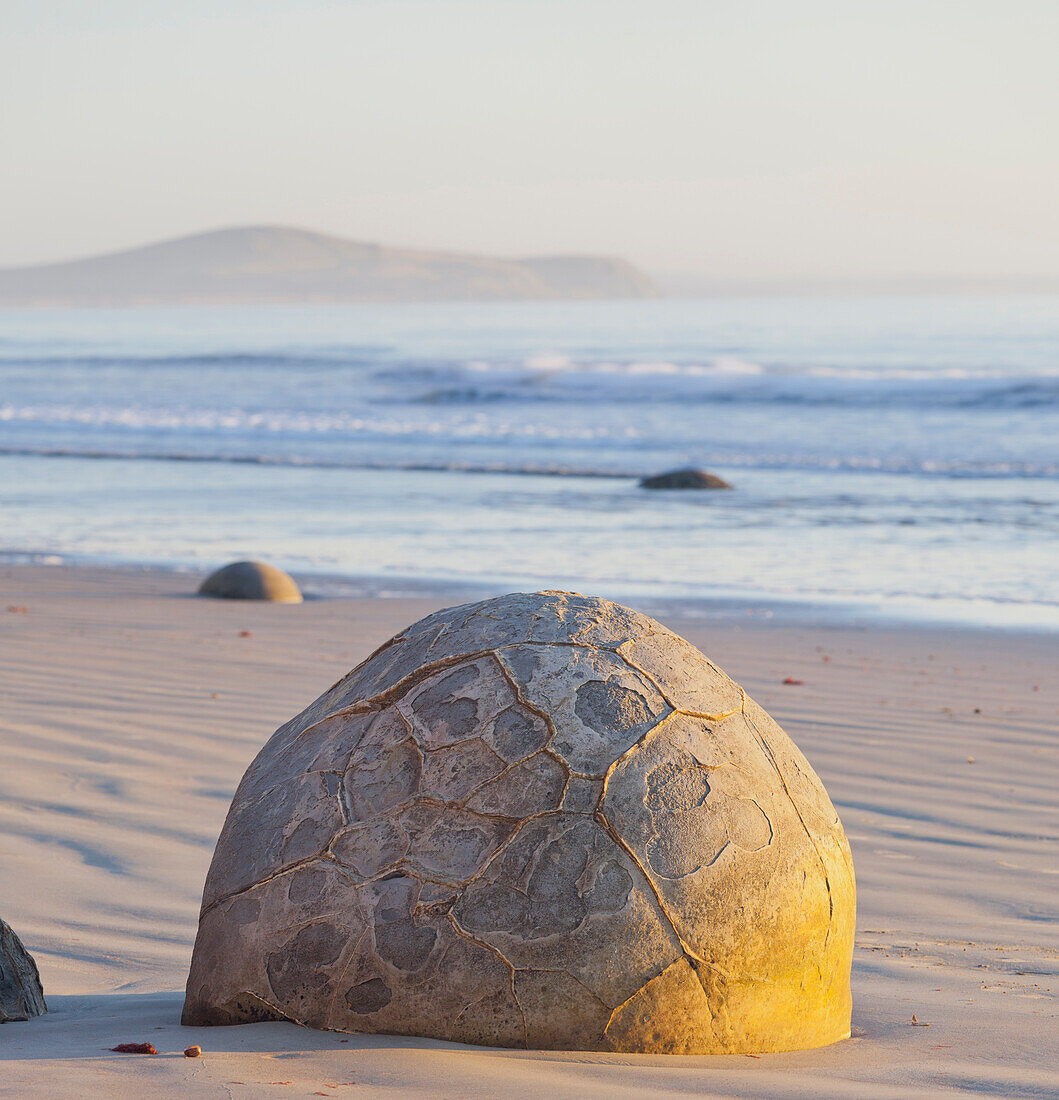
(251, 580)
(540, 820)
(21, 995)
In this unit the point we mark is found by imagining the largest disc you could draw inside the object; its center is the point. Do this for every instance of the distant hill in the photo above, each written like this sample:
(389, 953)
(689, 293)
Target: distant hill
(259, 264)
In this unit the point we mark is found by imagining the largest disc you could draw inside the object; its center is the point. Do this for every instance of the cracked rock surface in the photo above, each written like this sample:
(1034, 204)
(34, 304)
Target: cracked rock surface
(542, 821)
(21, 995)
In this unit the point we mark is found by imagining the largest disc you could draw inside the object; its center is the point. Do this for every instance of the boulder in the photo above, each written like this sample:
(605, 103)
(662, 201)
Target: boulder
(542, 821)
(251, 580)
(21, 995)
(684, 479)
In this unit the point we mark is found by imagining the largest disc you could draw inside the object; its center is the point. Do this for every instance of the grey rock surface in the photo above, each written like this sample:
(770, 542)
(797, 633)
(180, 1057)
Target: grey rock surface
(21, 995)
(541, 820)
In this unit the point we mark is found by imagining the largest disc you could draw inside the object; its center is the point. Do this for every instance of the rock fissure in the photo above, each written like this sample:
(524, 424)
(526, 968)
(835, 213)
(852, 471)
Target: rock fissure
(630, 751)
(509, 770)
(383, 699)
(521, 699)
(632, 996)
(651, 884)
(502, 849)
(703, 716)
(324, 854)
(767, 749)
(274, 1011)
(461, 931)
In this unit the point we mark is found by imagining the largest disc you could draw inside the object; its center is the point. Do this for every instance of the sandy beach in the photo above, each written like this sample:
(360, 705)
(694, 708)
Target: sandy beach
(320, 322)
(131, 709)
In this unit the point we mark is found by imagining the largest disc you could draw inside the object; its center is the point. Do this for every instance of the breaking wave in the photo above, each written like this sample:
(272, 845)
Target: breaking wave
(379, 375)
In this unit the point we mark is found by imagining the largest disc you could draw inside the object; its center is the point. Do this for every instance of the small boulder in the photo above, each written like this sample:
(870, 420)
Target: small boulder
(251, 580)
(684, 479)
(21, 995)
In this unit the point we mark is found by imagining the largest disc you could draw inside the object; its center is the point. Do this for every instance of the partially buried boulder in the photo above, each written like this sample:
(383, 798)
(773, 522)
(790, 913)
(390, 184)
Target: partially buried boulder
(21, 995)
(540, 821)
(684, 479)
(251, 580)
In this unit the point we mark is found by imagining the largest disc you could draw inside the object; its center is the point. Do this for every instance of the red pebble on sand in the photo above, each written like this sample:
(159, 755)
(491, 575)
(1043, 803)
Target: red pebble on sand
(134, 1048)
(797, 683)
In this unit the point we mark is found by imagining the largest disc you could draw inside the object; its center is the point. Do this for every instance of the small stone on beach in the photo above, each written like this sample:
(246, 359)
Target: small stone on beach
(134, 1048)
(192, 1052)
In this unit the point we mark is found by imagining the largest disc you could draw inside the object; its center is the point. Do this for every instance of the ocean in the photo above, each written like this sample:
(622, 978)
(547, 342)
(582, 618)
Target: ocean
(889, 457)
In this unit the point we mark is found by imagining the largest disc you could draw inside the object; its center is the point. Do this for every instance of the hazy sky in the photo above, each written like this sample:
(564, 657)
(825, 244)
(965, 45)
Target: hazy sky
(728, 137)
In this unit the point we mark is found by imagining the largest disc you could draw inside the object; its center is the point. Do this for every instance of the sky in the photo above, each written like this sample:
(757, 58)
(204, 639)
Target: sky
(742, 139)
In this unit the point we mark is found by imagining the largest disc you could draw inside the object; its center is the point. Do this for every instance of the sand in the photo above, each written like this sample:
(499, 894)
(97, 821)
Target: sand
(130, 709)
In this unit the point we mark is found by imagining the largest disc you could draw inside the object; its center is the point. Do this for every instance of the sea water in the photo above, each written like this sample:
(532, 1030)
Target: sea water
(900, 455)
